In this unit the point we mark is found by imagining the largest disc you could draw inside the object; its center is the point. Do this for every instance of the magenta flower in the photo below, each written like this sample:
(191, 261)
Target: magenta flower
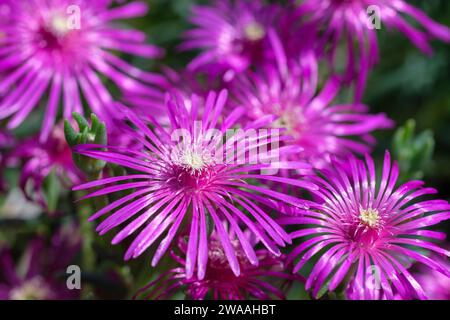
(366, 229)
(193, 184)
(37, 276)
(259, 282)
(231, 35)
(60, 47)
(352, 21)
(287, 91)
(40, 159)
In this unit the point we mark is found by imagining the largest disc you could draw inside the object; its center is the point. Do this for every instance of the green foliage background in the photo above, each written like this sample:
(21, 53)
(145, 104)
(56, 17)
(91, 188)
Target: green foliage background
(413, 89)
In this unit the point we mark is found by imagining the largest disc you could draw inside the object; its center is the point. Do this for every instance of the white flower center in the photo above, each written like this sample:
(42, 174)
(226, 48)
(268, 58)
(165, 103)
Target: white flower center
(292, 120)
(193, 159)
(58, 25)
(370, 217)
(254, 31)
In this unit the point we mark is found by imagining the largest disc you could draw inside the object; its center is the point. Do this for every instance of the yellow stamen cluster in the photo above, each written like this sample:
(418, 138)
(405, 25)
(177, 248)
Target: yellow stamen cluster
(254, 31)
(59, 25)
(193, 159)
(369, 217)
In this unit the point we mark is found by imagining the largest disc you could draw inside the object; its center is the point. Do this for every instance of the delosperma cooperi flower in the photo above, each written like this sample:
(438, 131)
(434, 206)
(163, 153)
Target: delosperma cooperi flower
(264, 281)
(189, 184)
(61, 47)
(287, 91)
(230, 33)
(367, 228)
(357, 21)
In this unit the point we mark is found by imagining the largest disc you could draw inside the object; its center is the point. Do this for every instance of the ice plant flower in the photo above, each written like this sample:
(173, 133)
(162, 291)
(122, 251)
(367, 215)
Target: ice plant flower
(367, 229)
(287, 91)
(230, 33)
(356, 21)
(263, 282)
(61, 47)
(36, 275)
(194, 184)
(40, 159)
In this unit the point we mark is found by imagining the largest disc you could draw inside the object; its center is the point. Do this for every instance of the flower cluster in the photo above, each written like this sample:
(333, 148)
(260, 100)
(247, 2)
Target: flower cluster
(248, 172)
(219, 281)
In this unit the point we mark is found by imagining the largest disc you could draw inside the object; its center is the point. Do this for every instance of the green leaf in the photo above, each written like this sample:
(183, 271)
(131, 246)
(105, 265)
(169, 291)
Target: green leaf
(100, 134)
(94, 133)
(414, 152)
(81, 121)
(52, 188)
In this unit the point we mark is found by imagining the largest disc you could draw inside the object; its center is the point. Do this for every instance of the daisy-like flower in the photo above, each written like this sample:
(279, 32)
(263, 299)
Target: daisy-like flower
(39, 273)
(356, 21)
(60, 47)
(265, 281)
(368, 231)
(40, 160)
(182, 179)
(287, 91)
(231, 35)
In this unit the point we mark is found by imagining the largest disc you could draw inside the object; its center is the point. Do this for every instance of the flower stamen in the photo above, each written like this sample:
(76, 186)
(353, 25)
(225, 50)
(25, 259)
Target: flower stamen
(369, 217)
(254, 31)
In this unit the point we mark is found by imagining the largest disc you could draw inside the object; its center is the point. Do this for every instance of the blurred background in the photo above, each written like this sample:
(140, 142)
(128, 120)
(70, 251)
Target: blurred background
(413, 89)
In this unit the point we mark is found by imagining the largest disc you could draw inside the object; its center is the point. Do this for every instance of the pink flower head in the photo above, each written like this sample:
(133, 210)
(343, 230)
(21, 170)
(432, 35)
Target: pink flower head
(355, 22)
(184, 179)
(60, 47)
(366, 230)
(230, 33)
(40, 159)
(259, 282)
(287, 91)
